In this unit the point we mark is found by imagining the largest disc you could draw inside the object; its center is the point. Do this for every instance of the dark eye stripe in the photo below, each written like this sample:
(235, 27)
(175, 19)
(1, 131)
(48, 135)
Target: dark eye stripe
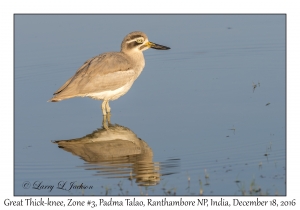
(142, 47)
(132, 45)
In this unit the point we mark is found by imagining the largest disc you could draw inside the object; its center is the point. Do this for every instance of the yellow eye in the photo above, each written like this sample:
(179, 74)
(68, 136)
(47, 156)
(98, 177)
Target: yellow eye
(139, 40)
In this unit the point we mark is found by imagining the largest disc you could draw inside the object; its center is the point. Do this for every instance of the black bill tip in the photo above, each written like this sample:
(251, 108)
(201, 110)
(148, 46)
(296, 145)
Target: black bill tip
(158, 46)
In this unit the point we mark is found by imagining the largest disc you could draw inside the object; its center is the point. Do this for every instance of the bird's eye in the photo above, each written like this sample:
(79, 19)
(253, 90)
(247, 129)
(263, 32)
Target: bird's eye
(139, 40)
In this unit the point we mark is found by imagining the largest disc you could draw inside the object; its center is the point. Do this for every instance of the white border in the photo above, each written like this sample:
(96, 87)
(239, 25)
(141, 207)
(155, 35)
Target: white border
(8, 8)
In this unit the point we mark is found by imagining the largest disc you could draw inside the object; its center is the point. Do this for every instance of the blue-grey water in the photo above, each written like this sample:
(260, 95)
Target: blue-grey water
(206, 117)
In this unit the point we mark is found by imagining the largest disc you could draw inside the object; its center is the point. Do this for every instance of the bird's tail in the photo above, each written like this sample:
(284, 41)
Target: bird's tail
(54, 99)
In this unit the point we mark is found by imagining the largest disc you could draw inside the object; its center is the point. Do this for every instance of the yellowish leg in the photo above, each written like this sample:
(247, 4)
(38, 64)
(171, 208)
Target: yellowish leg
(103, 107)
(108, 118)
(107, 107)
(104, 122)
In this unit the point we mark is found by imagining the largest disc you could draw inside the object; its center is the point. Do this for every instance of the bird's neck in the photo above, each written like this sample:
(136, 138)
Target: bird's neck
(138, 60)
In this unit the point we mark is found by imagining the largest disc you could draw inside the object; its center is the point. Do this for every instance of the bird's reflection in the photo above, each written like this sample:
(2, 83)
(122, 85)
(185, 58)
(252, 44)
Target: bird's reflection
(115, 151)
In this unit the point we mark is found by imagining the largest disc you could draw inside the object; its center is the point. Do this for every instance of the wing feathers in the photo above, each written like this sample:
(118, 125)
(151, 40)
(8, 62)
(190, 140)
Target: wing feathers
(104, 72)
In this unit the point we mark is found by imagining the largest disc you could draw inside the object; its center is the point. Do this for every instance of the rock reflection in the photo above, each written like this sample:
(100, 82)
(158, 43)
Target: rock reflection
(115, 151)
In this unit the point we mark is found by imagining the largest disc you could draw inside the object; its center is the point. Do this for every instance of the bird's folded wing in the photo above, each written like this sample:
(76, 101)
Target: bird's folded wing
(104, 72)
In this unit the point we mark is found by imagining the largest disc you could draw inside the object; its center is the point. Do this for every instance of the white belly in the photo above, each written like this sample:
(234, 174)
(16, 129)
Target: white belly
(111, 94)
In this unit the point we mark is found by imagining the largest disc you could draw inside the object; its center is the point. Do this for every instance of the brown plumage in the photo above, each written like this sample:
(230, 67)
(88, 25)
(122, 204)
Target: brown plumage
(109, 75)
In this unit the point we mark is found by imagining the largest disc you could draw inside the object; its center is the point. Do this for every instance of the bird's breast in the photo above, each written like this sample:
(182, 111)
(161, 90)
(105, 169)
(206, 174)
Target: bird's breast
(139, 64)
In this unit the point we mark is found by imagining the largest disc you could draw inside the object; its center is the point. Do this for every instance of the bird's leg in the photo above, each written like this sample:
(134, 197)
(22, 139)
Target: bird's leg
(104, 122)
(108, 118)
(107, 107)
(103, 107)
